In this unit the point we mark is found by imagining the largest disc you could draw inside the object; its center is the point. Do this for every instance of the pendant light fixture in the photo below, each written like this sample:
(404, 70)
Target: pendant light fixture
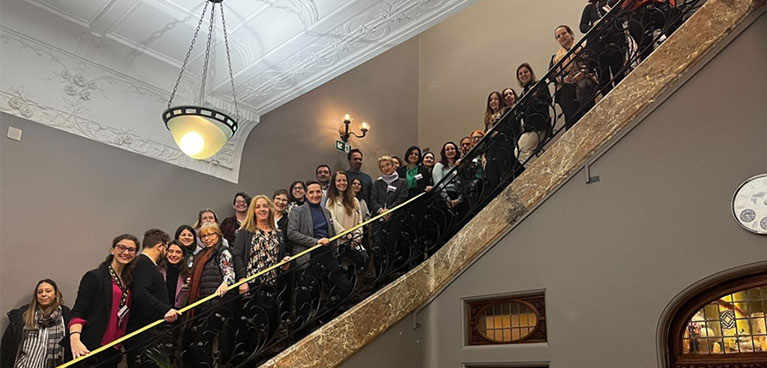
(200, 131)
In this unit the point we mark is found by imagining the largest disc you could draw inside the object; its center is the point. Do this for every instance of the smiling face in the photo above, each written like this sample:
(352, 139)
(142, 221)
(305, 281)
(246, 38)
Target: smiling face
(356, 186)
(509, 97)
(494, 102)
(341, 183)
(476, 137)
(323, 174)
(298, 191)
(413, 156)
(355, 162)
(46, 294)
(428, 159)
(465, 144)
(175, 254)
(525, 75)
(450, 151)
(125, 251)
(564, 37)
(240, 205)
(280, 202)
(186, 237)
(262, 209)
(207, 217)
(386, 166)
(209, 238)
(314, 194)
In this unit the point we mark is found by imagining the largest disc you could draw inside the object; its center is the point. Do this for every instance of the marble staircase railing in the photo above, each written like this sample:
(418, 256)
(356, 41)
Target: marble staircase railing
(678, 57)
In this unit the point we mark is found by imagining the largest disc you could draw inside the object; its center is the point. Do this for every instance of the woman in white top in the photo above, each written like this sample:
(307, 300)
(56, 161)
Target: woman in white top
(448, 157)
(344, 207)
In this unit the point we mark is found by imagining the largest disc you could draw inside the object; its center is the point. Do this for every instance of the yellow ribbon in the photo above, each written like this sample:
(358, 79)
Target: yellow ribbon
(235, 285)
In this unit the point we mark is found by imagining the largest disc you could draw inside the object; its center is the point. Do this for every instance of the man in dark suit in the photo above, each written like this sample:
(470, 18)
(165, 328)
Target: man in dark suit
(308, 225)
(150, 297)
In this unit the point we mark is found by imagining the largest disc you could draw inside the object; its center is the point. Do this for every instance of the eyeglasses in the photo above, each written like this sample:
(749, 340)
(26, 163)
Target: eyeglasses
(240, 202)
(123, 249)
(203, 236)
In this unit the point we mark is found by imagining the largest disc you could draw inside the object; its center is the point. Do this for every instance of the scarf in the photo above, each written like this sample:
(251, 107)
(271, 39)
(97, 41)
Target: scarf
(199, 265)
(388, 179)
(55, 325)
(40, 346)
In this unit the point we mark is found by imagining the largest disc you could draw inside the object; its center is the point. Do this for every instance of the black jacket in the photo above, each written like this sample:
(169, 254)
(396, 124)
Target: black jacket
(93, 304)
(241, 251)
(382, 197)
(12, 336)
(421, 184)
(150, 296)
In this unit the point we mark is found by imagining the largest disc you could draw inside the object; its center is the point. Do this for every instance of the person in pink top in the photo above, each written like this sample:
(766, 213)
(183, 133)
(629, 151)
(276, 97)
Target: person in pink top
(102, 308)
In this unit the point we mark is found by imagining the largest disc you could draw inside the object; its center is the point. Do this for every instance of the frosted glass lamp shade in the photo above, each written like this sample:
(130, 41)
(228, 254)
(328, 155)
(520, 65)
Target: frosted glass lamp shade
(199, 132)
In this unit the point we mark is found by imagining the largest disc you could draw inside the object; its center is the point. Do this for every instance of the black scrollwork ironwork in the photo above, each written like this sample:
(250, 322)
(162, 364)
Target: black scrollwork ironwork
(245, 330)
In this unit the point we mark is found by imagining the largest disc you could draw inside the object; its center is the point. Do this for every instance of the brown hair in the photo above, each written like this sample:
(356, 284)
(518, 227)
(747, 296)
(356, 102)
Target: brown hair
(488, 111)
(29, 314)
(347, 198)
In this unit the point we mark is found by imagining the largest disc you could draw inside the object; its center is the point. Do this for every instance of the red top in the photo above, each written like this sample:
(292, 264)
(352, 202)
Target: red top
(114, 330)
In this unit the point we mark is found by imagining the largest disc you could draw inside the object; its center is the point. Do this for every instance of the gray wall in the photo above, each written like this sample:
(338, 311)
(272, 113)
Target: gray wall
(612, 255)
(63, 198)
(476, 51)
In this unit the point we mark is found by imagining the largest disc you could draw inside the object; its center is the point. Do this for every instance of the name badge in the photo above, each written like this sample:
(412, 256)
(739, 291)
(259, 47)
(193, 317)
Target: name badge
(121, 314)
(419, 176)
(391, 188)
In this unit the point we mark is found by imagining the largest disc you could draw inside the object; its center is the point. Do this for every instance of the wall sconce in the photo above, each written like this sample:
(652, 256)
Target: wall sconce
(343, 130)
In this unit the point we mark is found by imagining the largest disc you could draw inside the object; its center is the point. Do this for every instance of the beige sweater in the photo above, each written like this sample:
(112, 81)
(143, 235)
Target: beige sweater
(341, 219)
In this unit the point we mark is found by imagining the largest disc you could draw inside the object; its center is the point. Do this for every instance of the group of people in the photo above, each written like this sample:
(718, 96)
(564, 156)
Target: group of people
(579, 76)
(141, 281)
(144, 280)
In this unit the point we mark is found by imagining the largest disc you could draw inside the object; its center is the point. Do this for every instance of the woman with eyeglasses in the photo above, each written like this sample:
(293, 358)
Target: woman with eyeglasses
(296, 195)
(36, 331)
(230, 225)
(103, 305)
(280, 201)
(212, 272)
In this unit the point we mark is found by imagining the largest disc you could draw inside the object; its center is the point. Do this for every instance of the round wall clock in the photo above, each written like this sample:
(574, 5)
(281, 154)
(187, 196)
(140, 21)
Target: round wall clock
(749, 204)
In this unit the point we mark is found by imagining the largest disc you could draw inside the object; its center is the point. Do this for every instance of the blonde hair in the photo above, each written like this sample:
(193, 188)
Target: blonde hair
(384, 158)
(250, 223)
(29, 315)
(211, 225)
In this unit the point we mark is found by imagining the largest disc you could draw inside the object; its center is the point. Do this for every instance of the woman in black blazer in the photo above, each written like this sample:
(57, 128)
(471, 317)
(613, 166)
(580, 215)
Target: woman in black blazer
(96, 320)
(418, 177)
(388, 192)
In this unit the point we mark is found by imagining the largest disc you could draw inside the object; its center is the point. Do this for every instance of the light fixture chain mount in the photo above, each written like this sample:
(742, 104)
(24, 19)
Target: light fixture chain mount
(207, 55)
(188, 53)
(229, 63)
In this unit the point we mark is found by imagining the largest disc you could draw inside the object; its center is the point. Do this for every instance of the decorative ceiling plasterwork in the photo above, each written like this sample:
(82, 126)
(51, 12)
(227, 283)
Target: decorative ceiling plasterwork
(102, 69)
(65, 94)
(347, 45)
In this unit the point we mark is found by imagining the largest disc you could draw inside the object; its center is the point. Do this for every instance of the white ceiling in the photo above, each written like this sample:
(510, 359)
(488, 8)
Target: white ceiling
(280, 50)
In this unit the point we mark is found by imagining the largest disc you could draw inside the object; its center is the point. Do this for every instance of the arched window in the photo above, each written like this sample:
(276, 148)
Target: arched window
(725, 326)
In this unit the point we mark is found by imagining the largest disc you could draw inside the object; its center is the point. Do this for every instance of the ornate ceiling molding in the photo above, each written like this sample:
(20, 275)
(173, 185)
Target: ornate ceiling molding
(347, 45)
(67, 92)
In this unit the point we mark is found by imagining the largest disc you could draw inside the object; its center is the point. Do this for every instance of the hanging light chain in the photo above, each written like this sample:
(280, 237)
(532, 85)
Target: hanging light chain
(207, 55)
(229, 62)
(188, 53)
